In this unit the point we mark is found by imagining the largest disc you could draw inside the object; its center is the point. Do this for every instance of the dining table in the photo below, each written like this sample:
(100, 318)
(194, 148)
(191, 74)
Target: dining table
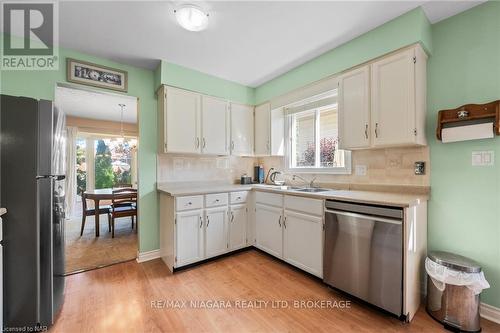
(101, 194)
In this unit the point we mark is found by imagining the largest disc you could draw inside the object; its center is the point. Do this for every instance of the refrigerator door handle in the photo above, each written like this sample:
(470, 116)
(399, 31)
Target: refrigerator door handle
(54, 177)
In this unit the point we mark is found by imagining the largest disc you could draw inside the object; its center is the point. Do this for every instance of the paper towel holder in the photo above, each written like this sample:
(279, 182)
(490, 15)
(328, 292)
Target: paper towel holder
(469, 114)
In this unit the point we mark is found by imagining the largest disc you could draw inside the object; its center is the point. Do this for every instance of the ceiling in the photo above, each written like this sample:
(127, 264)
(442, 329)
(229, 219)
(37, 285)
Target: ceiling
(246, 42)
(96, 105)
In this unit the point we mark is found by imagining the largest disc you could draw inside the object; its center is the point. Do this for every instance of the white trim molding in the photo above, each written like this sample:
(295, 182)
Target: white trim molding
(148, 255)
(490, 312)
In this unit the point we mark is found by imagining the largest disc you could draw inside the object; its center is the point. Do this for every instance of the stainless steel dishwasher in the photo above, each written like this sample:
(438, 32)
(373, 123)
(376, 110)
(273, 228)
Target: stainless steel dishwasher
(363, 252)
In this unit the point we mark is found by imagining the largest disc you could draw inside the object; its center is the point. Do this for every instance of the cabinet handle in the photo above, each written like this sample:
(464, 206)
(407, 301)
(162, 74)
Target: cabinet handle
(201, 222)
(197, 143)
(232, 217)
(232, 145)
(279, 221)
(267, 146)
(366, 131)
(376, 130)
(284, 222)
(208, 221)
(204, 143)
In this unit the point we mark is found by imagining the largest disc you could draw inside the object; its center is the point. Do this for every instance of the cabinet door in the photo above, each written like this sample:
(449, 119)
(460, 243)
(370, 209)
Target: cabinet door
(262, 130)
(268, 229)
(182, 121)
(215, 232)
(237, 227)
(241, 130)
(278, 132)
(393, 100)
(189, 237)
(354, 109)
(303, 242)
(215, 126)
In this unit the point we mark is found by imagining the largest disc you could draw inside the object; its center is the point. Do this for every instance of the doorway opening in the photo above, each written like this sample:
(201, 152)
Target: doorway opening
(102, 222)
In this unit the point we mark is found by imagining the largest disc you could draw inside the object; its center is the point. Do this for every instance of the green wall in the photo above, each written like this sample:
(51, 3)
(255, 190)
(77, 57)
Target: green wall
(41, 85)
(182, 77)
(464, 210)
(410, 28)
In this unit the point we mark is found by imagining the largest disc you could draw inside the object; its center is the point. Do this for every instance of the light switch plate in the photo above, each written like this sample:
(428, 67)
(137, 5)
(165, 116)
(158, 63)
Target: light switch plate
(360, 170)
(483, 158)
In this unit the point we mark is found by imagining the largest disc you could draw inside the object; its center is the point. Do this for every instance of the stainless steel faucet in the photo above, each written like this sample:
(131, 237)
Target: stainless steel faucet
(310, 183)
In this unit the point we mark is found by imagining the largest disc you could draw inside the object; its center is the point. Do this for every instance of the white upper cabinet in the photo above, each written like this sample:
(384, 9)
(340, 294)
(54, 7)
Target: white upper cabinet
(242, 127)
(182, 130)
(192, 123)
(398, 99)
(263, 130)
(215, 126)
(382, 104)
(277, 132)
(269, 131)
(354, 109)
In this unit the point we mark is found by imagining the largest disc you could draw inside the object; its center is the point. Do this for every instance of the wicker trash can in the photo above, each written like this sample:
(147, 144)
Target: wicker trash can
(454, 284)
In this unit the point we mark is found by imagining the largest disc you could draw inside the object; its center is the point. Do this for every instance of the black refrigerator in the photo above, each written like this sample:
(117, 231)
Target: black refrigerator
(32, 152)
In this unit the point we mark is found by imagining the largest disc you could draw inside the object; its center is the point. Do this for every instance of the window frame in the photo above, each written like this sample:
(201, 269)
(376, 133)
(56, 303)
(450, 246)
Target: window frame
(290, 153)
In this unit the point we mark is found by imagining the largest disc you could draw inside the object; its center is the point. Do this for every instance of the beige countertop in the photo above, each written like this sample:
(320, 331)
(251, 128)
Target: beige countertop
(3, 211)
(188, 188)
(371, 197)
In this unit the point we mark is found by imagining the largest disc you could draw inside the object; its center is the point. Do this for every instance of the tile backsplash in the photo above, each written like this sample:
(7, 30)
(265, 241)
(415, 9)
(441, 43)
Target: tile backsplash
(391, 166)
(185, 168)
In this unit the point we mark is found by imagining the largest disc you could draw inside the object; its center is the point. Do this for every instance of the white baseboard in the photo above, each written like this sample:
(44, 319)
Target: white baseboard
(490, 312)
(148, 255)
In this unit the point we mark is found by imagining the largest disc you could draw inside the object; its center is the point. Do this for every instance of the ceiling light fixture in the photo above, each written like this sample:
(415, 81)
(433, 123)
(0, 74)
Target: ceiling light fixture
(191, 17)
(122, 133)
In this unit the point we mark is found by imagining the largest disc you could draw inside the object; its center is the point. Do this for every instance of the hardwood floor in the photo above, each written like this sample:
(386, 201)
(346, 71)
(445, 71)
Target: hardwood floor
(132, 297)
(88, 251)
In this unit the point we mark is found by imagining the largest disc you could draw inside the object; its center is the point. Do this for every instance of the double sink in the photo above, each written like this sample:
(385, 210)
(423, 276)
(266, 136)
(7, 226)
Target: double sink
(299, 189)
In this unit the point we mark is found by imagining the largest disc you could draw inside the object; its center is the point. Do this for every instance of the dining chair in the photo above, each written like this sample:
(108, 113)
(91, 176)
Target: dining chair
(104, 209)
(123, 204)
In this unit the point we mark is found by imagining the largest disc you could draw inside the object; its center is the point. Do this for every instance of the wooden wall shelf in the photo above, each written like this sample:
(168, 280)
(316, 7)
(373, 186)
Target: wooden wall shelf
(475, 112)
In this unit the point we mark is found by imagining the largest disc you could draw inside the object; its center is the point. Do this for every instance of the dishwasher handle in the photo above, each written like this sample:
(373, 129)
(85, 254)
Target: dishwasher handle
(366, 217)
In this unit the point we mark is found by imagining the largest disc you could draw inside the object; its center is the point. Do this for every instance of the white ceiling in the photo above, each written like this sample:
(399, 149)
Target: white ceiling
(246, 42)
(96, 105)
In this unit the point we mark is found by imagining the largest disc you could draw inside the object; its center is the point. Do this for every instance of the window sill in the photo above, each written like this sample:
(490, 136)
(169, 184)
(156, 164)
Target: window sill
(327, 171)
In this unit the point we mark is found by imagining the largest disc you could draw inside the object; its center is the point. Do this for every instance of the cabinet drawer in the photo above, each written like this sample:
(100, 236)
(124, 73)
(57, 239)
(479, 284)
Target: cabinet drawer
(216, 199)
(238, 197)
(305, 205)
(191, 202)
(267, 198)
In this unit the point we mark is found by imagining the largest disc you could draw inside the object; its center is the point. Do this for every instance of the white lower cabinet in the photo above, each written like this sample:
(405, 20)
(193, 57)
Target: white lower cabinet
(291, 228)
(215, 231)
(238, 217)
(189, 237)
(199, 227)
(303, 241)
(268, 229)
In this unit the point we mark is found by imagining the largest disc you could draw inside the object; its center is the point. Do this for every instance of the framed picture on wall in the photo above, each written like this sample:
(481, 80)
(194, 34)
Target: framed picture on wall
(90, 74)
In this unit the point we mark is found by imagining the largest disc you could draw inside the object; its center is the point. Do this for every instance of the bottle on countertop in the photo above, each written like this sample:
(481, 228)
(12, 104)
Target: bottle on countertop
(261, 174)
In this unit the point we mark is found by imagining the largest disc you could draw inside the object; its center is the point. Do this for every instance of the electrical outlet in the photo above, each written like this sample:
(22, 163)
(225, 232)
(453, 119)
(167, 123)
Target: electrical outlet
(178, 164)
(360, 170)
(420, 168)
